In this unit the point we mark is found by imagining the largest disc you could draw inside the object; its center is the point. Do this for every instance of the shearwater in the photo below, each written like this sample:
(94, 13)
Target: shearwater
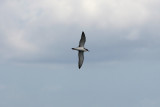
(81, 50)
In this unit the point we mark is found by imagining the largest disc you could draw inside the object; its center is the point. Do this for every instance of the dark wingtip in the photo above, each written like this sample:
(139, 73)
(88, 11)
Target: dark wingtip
(83, 34)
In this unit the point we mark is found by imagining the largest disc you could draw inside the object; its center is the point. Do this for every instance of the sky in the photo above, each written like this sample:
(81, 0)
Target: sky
(38, 68)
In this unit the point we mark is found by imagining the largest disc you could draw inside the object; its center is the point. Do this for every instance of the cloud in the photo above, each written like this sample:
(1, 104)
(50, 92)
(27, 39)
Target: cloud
(40, 31)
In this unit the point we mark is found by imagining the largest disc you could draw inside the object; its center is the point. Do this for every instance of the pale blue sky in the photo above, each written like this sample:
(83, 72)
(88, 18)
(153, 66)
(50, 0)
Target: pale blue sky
(39, 69)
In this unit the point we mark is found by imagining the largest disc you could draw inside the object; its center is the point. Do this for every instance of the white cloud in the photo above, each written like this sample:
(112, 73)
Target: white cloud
(116, 14)
(106, 13)
(16, 39)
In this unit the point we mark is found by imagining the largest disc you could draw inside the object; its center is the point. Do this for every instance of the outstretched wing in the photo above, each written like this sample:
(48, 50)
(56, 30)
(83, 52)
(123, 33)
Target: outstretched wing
(81, 58)
(83, 40)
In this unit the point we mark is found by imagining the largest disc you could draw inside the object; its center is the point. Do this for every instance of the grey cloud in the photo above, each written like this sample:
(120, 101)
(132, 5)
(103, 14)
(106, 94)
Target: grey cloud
(35, 33)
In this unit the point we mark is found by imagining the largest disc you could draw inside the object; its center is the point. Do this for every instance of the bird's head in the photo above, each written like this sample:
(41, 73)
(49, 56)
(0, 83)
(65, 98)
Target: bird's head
(86, 49)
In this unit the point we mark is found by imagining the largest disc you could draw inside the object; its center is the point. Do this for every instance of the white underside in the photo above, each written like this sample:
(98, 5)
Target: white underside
(80, 49)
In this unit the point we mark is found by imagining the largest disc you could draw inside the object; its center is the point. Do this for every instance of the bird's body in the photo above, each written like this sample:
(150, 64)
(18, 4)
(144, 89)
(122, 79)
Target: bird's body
(81, 49)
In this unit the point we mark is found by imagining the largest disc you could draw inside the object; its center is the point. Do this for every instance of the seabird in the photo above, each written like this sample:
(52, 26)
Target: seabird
(81, 50)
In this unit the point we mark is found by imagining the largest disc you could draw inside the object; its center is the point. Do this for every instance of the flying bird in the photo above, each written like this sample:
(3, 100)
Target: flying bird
(81, 50)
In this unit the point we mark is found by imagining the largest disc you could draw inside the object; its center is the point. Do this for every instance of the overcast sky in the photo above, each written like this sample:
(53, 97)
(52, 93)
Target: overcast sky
(39, 69)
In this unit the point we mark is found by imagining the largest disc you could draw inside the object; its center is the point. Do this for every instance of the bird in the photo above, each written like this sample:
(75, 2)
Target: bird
(81, 49)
